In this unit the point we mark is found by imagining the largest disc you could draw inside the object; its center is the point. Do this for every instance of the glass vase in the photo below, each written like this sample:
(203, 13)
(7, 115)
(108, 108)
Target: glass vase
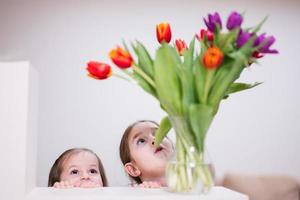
(191, 171)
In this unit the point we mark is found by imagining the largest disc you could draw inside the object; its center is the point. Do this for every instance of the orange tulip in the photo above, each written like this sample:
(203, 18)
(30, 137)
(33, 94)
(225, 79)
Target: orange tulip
(98, 70)
(181, 46)
(212, 58)
(121, 58)
(163, 32)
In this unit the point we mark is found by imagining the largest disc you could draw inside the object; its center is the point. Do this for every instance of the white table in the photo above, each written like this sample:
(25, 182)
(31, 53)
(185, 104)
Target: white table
(124, 193)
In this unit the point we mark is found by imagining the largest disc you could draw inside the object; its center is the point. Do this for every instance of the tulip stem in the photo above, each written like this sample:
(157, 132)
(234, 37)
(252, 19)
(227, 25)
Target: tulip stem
(128, 73)
(144, 75)
(122, 77)
(207, 86)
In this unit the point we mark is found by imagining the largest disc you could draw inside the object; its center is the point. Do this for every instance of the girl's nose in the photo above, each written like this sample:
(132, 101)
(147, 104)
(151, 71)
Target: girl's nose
(85, 176)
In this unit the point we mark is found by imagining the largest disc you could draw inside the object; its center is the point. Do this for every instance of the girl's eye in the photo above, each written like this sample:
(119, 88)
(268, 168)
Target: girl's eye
(141, 141)
(93, 171)
(74, 171)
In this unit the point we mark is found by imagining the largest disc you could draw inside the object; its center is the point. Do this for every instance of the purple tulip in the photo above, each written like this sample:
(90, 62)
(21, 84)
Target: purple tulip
(267, 42)
(234, 20)
(243, 38)
(213, 21)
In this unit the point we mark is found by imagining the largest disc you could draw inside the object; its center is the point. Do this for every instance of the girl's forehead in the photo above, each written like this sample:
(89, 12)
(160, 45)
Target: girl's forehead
(78, 157)
(85, 155)
(142, 127)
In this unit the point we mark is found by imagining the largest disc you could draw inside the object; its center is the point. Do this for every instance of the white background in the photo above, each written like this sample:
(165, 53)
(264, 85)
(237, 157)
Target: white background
(255, 132)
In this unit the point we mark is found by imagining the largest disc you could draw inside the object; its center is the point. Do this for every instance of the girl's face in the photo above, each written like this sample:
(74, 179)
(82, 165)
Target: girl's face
(82, 169)
(150, 160)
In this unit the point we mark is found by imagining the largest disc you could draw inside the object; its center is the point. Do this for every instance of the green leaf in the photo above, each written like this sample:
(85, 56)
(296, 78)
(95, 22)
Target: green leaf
(186, 77)
(144, 84)
(144, 59)
(233, 69)
(145, 65)
(125, 45)
(199, 78)
(203, 47)
(247, 49)
(257, 28)
(162, 131)
(187, 88)
(226, 42)
(188, 55)
(166, 79)
(223, 70)
(200, 117)
(217, 34)
(237, 87)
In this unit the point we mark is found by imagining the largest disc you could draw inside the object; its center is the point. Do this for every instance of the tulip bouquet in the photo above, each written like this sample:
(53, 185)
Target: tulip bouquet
(190, 81)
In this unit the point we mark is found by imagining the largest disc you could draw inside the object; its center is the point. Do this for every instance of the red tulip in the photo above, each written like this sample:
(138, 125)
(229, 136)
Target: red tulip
(181, 46)
(209, 35)
(98, 70)
(163, 32)
(212, 58)
(257, 54)
(121, 58)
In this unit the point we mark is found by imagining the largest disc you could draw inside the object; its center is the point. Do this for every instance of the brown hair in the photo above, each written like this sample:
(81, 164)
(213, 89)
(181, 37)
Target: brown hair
(124, 146)
(56, 169)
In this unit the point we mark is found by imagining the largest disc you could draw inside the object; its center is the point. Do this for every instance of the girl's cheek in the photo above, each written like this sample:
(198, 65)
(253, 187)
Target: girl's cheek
(75, 178)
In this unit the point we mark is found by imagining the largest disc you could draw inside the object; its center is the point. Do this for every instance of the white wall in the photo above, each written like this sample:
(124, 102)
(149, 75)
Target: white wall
(18, 117)
(254, 132)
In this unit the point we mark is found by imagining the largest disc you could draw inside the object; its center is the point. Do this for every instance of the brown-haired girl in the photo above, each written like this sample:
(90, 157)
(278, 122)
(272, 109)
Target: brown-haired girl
(77, 167)
(144, 162)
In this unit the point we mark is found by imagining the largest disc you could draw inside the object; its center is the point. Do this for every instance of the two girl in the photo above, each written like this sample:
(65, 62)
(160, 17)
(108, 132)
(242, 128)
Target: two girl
(143, 162)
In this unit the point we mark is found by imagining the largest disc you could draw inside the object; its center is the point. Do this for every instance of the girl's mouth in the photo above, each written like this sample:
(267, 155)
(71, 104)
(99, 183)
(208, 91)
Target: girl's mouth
(158, 149)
